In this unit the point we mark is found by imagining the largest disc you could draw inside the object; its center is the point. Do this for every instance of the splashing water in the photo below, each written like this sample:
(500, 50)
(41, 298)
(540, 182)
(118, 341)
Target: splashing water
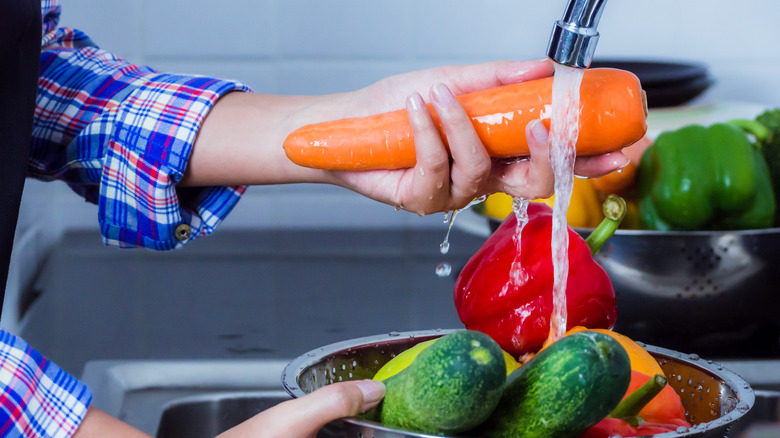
(563, 137)
(444, 269)
(520, 207)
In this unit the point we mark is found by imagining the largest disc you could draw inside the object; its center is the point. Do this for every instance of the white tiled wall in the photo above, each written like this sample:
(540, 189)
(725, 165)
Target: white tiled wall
(324, 46)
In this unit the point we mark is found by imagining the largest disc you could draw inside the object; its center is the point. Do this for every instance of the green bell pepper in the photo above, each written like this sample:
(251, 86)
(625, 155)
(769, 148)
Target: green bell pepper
(706, 178)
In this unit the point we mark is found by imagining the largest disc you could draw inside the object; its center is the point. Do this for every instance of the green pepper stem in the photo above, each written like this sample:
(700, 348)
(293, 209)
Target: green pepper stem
(614, 209)
(759, 131)
(630, 406)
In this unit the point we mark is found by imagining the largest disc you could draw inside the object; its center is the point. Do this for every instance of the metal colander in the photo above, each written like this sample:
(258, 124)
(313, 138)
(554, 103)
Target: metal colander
(713, 292)
(713, 396)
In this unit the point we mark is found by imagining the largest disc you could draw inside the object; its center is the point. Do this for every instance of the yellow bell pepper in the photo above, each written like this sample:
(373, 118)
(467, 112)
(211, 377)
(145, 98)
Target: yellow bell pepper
(584, 208)
(631, 221)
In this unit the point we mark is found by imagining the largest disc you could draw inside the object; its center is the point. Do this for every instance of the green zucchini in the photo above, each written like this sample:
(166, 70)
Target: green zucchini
(449, 388)
(568, 387)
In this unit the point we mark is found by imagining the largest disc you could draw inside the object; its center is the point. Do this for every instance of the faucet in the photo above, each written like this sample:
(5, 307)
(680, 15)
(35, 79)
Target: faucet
(574, 37)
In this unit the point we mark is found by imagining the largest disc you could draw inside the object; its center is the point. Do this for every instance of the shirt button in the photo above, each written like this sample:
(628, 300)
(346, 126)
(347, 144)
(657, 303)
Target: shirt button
(183, 232)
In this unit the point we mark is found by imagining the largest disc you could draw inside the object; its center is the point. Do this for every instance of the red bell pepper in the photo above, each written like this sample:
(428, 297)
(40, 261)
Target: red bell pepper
(615, 427)
(649, 407)
(517, 314)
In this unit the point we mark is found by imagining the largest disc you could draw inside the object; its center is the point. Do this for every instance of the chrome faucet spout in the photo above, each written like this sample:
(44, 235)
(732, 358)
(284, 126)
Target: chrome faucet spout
(574, 37)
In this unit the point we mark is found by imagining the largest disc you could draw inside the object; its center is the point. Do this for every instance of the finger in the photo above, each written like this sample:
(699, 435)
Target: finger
(540, 173)
(471, 162)
(465, 79)
(530, 178)
(432, 171)
(598, 165)
(304, 416)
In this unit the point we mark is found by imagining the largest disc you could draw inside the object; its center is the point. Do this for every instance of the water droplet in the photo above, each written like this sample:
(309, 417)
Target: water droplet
(422, 171)
(397, 207)
(394, 334)
(693, 357)
(444, 269)
(444, 248)
(743, 407)
(681, 429)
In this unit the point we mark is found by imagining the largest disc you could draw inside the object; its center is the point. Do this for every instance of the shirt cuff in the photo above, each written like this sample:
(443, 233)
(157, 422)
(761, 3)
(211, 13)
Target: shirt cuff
(149, 148)
(38, 399)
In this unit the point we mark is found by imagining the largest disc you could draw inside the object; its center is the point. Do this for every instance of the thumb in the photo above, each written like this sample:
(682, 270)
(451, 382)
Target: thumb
(304, 416)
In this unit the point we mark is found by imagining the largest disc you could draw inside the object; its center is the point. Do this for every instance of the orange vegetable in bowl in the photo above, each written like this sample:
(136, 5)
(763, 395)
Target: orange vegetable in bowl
(641, 360)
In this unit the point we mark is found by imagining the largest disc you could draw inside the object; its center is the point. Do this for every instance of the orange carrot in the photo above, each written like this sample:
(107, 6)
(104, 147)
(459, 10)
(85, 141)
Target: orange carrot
(612, 104)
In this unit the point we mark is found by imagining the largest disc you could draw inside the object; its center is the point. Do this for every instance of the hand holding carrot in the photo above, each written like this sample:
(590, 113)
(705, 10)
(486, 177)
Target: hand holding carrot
(241, 140)
(448, 176)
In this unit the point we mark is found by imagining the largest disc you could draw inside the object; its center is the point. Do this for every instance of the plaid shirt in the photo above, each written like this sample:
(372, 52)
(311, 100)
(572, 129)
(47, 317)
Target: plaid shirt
(120, 135)
(38, 399)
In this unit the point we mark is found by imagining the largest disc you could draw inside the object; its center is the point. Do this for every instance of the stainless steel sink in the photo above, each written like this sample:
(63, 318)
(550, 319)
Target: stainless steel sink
(185, 398)
(208, 416)
(201, 398)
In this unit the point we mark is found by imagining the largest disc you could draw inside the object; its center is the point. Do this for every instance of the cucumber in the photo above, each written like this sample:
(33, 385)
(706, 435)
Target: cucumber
(450, 387)
(406, 357)
(568, 387)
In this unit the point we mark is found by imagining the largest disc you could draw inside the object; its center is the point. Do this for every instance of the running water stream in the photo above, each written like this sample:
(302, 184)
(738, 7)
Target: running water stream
(565, 118)
(520, 207)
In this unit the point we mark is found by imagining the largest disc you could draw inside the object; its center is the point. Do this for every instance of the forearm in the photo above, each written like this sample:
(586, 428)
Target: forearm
(241, 139)
(98, 424)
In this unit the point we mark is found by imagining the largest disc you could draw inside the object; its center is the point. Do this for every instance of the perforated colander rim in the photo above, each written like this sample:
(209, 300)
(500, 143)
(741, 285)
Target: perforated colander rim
(739, 386)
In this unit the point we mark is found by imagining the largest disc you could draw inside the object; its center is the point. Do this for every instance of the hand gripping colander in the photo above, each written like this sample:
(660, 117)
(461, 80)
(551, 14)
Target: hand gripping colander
(713, 396)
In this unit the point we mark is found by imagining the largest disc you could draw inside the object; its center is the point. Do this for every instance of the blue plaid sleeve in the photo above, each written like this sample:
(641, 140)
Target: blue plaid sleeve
(38, 399)
(121, 135)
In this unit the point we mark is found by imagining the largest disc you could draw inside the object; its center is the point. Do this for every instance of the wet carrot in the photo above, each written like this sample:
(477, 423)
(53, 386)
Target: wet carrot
(612, 104)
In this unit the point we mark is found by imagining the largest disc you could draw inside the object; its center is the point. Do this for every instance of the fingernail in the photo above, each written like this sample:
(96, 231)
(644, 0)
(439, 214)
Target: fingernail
(539, 131)
(372, 390)
(442, 95)
(620, 160)
(414, 102)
